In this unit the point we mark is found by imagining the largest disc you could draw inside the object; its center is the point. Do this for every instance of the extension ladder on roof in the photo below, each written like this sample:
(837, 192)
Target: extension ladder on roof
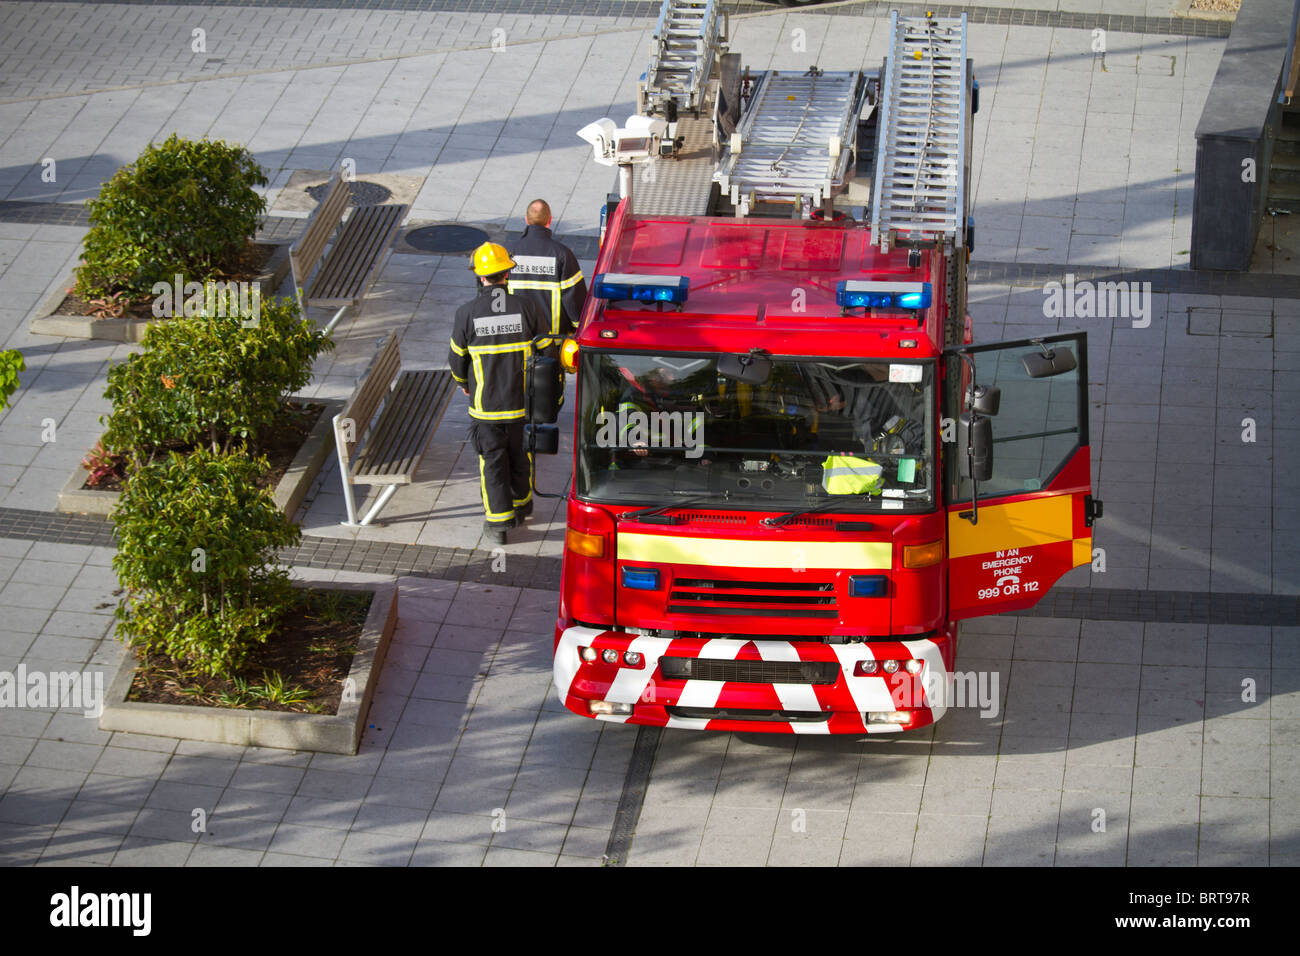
(684, 46)
(920, 186)
(795, 141)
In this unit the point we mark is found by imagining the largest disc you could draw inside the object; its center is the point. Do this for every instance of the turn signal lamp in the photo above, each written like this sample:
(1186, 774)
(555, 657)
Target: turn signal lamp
(622, 286)
(922, 555)
(586, 545)
(888, 717)
(569, 355)
(588, 654)
(857, 294)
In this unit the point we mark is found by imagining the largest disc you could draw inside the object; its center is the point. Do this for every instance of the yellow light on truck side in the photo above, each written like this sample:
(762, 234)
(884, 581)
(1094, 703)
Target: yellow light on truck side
(922, 555)
(569, 354)
(587, 545)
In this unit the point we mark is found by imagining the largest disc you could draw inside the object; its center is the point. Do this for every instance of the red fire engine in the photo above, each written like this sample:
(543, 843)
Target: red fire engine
(785, 493)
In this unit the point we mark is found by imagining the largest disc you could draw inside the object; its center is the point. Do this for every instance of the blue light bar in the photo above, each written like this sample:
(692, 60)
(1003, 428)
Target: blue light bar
(641, 579)
(857, 294)
(868, 585)
(622, 286)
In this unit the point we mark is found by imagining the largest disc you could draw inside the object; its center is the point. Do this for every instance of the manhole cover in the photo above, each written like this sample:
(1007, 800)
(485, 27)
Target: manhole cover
(363, 193)
(446, 239)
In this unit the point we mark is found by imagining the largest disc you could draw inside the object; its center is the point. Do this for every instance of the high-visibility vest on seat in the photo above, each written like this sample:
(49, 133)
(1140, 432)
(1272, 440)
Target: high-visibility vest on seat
(846, 475)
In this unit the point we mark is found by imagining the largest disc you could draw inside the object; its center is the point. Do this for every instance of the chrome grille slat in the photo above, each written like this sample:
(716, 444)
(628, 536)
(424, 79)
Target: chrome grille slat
(756, 598)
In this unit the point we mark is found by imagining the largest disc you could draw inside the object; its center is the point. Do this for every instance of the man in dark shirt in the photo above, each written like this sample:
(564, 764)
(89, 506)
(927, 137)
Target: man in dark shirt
(547, 272)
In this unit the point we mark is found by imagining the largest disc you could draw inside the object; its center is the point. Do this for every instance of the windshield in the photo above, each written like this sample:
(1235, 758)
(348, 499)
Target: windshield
(653, 428)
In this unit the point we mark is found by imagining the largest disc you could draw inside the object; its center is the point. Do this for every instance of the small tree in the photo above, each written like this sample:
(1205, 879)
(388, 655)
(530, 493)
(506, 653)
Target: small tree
(11, 363)
(184, 207)
(208, 378)
(196, 539)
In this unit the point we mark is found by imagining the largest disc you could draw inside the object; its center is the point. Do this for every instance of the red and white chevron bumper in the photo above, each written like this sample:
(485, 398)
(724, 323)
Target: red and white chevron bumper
(734, 684)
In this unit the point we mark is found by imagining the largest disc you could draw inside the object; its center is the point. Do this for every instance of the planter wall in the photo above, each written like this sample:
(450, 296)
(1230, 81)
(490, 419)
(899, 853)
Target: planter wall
(289, 493)
(337, 734)
(48, 322)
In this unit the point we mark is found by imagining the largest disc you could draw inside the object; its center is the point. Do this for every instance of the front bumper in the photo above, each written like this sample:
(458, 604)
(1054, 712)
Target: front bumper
(744, 704)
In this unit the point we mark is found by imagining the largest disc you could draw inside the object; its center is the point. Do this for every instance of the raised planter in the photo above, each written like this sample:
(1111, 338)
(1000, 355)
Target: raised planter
(289, 492)
(324, 733)
(49, 322)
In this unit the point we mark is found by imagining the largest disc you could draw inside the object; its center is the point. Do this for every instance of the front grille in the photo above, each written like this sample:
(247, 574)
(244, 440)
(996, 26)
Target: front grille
(810, 522)
(712, 517)
(723, 713)
(750, 672)
(753, 598)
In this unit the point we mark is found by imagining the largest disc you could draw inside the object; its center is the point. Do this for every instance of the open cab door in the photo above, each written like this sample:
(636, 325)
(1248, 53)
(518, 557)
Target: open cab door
(1020, 505)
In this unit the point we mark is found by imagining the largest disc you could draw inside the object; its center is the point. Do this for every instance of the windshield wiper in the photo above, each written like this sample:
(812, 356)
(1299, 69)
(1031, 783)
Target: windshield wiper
(641, 514)
(784, 519)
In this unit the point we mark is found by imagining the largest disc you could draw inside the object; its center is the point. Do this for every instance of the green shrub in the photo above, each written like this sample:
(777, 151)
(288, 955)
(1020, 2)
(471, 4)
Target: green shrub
(196, 537)
(11, 363)
(185, 206)
(207, 378)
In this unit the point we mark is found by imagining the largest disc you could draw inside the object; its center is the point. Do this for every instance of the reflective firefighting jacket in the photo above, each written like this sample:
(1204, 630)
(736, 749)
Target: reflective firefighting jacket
(490, 342)
(548, 273)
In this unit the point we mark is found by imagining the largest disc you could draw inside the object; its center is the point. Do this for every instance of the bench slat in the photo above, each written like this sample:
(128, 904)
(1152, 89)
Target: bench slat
(352, 260)
(359, 251)
(429, 401)
(374, 385)
(307, 251)
(397, 441)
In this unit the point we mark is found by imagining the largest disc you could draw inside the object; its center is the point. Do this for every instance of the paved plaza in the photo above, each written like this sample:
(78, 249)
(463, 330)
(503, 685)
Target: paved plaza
(1083, 164)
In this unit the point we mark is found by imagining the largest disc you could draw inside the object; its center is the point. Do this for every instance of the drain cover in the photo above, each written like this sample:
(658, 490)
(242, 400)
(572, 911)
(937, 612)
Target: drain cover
(446, 239)
(363, 193)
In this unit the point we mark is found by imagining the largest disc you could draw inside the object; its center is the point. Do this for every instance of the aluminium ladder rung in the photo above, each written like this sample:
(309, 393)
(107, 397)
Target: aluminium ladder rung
(918, 188)
(685, 46)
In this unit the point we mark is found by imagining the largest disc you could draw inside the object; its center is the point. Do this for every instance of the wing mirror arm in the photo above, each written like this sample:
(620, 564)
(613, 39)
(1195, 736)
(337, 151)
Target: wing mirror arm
(975, 436)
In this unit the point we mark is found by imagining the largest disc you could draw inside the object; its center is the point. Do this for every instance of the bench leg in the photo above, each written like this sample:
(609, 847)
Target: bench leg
(387, 493)
(335, 321)
(341, 451)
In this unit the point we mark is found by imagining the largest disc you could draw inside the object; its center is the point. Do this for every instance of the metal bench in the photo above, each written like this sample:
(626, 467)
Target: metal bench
(386, 448)
(353, 260)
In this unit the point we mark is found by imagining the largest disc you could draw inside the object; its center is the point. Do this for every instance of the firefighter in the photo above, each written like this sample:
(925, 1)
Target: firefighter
(491, 339)
(547, 272)
(643, 400)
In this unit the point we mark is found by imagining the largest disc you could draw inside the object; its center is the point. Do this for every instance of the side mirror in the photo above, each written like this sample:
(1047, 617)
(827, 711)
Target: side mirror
(1048, 362)
(752, 369)
(542, 439)
(545, 388)
(975, 448)
(985, 400)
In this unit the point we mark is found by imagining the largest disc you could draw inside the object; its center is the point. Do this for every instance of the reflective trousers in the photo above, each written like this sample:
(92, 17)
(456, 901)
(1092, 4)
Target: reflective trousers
(504, 468)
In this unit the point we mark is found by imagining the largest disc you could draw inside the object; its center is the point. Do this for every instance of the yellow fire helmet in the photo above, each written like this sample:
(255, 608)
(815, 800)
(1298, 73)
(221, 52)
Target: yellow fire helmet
(490, 259)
